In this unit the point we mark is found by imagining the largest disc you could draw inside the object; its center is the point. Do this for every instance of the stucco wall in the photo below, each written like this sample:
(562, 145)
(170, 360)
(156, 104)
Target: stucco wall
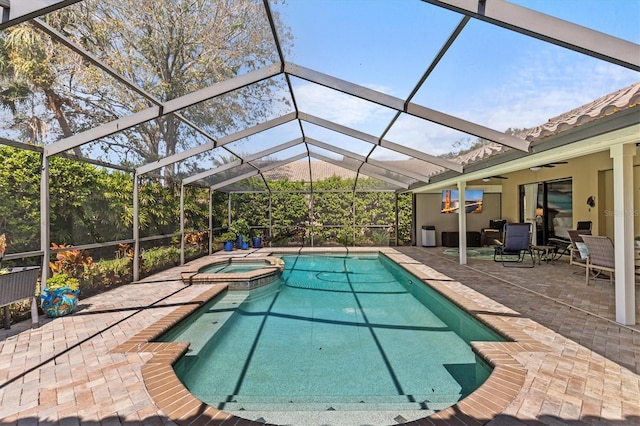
(592, 175)
(428, 213)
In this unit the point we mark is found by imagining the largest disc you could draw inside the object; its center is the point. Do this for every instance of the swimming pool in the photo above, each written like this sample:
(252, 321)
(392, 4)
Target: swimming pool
(335, 333)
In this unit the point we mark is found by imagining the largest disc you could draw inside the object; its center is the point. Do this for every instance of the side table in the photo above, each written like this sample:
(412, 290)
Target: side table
(543, 250)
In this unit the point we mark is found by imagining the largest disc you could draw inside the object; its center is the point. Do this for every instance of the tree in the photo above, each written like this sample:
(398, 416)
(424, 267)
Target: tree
(289, 205)
(19, 192)
(79, 212)
(170, 49)
(27, 71)
(333, 208)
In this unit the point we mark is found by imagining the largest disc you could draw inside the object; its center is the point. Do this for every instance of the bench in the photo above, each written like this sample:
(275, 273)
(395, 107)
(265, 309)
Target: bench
(19, 284)
(452, 239)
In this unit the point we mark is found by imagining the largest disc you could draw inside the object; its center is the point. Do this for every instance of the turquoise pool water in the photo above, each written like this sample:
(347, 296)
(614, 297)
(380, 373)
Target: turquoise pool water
(352, 333)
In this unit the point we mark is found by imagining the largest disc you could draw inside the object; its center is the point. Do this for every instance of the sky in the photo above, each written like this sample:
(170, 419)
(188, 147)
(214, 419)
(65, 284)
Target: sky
(491, 76)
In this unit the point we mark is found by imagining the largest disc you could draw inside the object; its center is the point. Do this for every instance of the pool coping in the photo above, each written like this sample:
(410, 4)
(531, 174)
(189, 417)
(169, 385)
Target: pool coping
(490, 399)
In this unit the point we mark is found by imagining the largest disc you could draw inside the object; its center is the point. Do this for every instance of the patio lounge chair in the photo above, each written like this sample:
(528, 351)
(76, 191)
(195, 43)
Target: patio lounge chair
(566, 246)
(579, 254)
(601, 256)
(516, 245)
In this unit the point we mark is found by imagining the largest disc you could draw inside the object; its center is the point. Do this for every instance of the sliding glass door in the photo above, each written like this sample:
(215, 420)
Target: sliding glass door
(549, 207)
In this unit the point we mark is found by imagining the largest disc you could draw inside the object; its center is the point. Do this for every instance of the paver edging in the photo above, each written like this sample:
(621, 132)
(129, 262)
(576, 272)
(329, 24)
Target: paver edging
(489, 400)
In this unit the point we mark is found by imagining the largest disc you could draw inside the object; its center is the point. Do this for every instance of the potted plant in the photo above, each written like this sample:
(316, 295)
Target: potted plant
(227, 239)
(256, 241)
(60, 296)
(240, 227)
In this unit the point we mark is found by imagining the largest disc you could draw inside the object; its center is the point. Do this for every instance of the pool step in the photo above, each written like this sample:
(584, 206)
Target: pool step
(407, 406)
(328, 403)
(235, 297)
(342, 418)
(217, 316)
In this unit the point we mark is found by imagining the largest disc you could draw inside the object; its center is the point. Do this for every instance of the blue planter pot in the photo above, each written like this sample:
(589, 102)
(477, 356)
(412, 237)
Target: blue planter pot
(244, 245)
(58, 302)
(239, 241)
(228, 246)
(257, 242)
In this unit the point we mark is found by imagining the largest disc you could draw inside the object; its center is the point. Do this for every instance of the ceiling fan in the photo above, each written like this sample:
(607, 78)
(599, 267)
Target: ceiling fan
(487, 179)
(553, 164)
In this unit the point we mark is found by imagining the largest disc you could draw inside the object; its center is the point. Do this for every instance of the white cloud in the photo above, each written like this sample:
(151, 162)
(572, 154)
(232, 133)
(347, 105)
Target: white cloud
(543, 85)
(342, 108)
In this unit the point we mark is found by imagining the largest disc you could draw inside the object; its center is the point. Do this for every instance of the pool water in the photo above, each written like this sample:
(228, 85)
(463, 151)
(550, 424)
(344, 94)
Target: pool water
(338, 333)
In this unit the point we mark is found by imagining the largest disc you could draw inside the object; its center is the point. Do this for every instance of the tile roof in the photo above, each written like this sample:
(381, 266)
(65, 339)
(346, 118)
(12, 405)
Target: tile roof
(622, 99)
(299, 171)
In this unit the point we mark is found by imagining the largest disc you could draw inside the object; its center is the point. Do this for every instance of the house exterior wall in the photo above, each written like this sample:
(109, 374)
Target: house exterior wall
(428, 213)
(592, 175)
(582, 171)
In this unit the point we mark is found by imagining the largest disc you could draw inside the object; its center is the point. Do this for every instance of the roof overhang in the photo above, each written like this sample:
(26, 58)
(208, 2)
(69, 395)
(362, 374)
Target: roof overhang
(617, 129)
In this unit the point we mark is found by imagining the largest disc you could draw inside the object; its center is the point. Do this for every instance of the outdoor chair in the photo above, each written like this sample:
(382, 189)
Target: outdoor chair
(579, 252)
(565, 246)
(561, 246)
(516, 245)
(584, 225)
(601, 256)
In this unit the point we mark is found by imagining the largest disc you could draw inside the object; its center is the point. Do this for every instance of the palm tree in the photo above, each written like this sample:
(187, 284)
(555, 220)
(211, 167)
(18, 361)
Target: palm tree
(27, 67)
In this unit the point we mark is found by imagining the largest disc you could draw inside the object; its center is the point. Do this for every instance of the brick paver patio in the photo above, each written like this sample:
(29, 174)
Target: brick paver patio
(72, 370)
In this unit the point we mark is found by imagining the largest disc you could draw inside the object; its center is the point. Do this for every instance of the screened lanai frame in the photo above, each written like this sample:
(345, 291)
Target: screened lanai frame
(502, 14)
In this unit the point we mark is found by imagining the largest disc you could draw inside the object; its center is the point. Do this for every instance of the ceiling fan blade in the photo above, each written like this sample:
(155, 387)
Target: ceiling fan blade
(554, 163)
(487, 179)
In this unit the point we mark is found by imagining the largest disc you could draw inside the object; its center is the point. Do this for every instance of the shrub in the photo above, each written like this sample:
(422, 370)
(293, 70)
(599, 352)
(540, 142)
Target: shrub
(159, 258)
(227, 236)
(62, 280)
(106, 274)
(72, 262)
(380, 238)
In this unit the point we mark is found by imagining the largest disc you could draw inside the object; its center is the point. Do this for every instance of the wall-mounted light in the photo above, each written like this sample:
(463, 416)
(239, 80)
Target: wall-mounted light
(486, 179)
(535, 168)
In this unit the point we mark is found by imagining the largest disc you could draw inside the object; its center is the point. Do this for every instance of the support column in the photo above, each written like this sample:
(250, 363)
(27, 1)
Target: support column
(210, 221)
(271, 217)
(462, 223)
(45, 234)
(45, 228)
(624, 213)
(396, 224)
(182, 224)
(136, 228)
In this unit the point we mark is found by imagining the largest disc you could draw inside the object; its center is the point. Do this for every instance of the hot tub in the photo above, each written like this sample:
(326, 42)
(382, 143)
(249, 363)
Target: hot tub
(238, 273)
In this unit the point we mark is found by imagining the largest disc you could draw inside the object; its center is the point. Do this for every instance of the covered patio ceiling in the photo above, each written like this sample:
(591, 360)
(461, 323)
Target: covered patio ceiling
(396, 116)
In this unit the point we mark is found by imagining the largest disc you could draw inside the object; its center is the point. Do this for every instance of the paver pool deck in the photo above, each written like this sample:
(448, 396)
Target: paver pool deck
(577, 366)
